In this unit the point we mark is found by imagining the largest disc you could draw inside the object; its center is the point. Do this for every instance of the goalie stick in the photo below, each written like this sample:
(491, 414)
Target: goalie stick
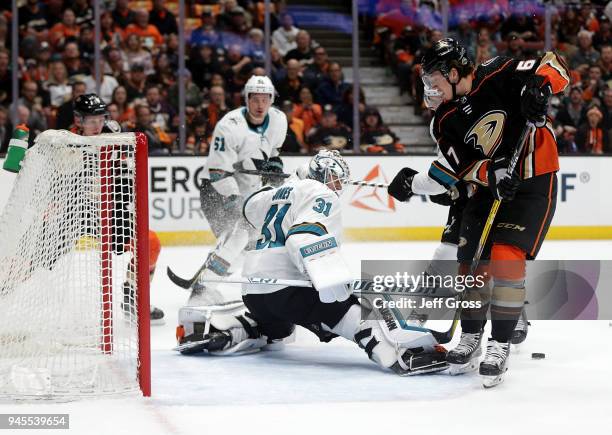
(284, 175)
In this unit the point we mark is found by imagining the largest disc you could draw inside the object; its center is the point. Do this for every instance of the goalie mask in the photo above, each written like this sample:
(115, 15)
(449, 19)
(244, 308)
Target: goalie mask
(328, 167)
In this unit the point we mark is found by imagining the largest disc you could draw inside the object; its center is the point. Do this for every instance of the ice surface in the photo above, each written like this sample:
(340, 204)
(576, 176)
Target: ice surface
(315, 388)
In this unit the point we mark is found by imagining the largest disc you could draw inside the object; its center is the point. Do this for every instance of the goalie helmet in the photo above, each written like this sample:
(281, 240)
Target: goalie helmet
(328, 167)
(89, 105)
(259, 85)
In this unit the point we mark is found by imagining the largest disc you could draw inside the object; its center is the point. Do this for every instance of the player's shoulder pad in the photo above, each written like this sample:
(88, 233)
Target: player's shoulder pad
(231, 120)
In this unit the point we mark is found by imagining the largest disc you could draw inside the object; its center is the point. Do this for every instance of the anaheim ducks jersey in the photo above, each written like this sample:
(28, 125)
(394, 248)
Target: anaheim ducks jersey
(298, 207)
(236, 144)
(487, 122)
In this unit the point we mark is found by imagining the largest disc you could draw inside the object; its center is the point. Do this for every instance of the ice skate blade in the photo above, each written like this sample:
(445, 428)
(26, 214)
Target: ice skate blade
(460, 369)
(492, 381)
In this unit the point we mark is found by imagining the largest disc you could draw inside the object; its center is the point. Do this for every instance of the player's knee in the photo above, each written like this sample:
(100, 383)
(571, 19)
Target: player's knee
(508, 264)
(154, 250)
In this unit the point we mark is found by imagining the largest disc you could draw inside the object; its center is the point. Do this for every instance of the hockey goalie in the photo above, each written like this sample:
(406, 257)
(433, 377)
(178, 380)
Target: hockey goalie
(299, 237)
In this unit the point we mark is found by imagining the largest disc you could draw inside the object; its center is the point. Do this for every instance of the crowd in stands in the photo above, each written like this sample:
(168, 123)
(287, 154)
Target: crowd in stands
(225, 46)
(139, 72)
(580, 32)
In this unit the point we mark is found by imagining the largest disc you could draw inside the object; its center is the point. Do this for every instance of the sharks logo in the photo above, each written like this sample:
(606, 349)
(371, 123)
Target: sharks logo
(487, 133)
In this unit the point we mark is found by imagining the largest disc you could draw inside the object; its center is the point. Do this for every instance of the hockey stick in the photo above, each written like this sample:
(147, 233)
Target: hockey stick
(283, 175)
(484, 236)
(182, 282)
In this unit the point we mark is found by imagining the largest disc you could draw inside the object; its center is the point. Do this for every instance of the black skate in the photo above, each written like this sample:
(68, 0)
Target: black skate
(198, 342)
(464, 358)
(156, 316)
(495, 363)
(520, 330)
(417, 361)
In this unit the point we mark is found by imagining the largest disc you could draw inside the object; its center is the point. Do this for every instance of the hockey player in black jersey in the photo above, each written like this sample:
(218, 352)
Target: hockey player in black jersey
(480, 114)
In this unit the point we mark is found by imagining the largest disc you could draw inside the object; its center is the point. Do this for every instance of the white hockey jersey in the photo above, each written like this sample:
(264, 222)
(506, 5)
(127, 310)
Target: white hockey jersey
(234, 144)
(296, 207)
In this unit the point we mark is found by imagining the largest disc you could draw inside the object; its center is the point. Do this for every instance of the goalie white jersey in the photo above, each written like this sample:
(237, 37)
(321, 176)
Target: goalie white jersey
(299, 209)
(235, 143)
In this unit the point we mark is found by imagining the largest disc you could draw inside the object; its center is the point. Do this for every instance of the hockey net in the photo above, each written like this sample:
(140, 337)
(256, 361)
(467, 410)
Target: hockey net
(74, 230)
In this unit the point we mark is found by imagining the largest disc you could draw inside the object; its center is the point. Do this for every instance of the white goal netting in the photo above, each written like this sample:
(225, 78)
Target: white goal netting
(69, 313)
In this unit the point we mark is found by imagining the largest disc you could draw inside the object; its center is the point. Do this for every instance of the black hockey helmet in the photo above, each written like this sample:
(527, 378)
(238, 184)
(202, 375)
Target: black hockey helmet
(444, 55)
(89, 105)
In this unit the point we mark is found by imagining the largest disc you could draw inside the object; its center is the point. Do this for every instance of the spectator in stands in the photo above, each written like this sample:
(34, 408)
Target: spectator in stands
(566, 141)
(376, 137)
(111, 33)
(126, 115)
(113, 114)
(484, 49)
(514, 46)
(224, 18)
(573, 112)
(607, 110)
(605, 63)
(345, 109)
(284, 38)
(520, 22)
(255, 46)
(464, 33)
(115, 64)
(67, 28)
(197, 140)
(294, 142)
(39, 71)
(330, 135)
(593, 85)
(591, 137)
(30, 99)
(231, 66)
(318, 69)
(303, 50)
(289, 87)
(65, 113)
(6, 84)
(57, 86)
(164, 72)
(307, 110)
(332, 88)
(237, 31)
(162, 18)
(122, 14)
(143, 125)
(5, 129)
(585, 55)
(86, 41)
(33, 20)
(149, 34)
(72, 59)
(427, 15)
(603, 36)
(4, 32)
(137, 82)
(203, 64)
(206, 34)
(277, 66)
(83, 12)
(136, 54)
(107, 85)
(216, 108)
(161, 112)
(193, 94)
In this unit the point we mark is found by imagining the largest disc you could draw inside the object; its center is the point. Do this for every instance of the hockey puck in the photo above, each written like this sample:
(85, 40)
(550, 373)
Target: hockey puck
(536, 355)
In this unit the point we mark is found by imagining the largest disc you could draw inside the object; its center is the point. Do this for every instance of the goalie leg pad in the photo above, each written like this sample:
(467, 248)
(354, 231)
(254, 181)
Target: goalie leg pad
(224, 329)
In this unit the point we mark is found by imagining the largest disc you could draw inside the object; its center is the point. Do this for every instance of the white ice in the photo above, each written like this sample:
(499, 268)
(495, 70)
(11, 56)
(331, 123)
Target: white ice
(321, 389)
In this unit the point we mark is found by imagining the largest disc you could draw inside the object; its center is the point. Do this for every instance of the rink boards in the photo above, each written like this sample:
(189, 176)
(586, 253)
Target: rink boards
(584, 206)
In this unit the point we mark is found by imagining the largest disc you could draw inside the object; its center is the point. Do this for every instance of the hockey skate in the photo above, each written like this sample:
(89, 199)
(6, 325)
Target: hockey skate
(156, 315)
(520, 330)
(464, 357)
(495, 363)
(417, 362)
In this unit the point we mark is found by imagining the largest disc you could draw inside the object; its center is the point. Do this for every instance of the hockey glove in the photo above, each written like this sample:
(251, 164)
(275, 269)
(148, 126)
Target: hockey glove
(502, 186)
(534, 100)
(401, 186)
